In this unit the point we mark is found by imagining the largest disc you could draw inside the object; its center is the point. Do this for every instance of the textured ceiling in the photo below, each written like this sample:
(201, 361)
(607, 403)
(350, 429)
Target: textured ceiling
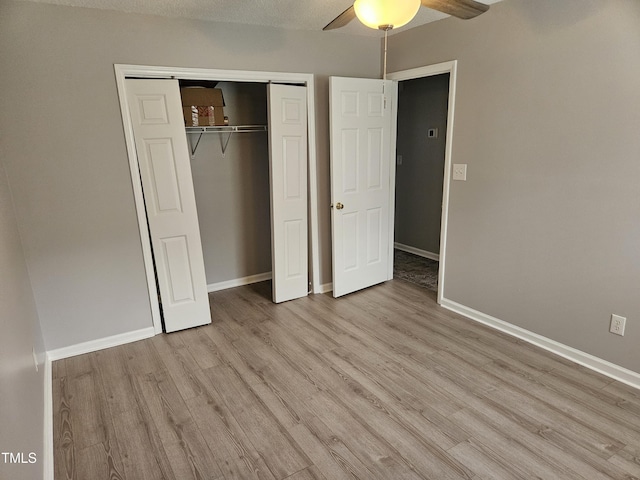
(292, 14)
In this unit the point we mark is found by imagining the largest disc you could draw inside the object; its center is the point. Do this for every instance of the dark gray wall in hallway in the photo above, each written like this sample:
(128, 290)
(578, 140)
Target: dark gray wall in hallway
(422, 105)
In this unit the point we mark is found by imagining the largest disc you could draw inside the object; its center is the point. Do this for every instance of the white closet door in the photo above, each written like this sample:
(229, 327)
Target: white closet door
(361, 151)
(288, 176)
(161, 145)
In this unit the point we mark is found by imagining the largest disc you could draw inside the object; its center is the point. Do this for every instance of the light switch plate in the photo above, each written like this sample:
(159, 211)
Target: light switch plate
(460, 171)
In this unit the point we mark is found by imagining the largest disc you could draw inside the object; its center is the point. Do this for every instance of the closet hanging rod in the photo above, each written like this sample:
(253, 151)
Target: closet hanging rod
(228, 129)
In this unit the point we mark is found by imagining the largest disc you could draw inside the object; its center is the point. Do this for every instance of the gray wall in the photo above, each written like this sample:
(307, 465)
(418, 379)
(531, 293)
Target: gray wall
(232, 191)
(65, 151)
(545, 233)
(422, 104)
(21, 387)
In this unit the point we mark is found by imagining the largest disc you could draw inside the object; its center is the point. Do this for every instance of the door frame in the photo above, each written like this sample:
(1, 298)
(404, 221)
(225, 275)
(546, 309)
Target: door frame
(123, 71)
(428, 71)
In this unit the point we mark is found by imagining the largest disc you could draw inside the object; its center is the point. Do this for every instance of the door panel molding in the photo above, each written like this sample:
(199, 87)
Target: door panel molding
(171, 213)
(288, 191)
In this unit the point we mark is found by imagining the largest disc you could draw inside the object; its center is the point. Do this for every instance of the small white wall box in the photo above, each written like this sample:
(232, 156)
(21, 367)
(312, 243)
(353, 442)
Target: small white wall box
(460, 171)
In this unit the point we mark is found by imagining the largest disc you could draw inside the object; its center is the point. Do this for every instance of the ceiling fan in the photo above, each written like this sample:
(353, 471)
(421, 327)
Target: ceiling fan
(394, 14)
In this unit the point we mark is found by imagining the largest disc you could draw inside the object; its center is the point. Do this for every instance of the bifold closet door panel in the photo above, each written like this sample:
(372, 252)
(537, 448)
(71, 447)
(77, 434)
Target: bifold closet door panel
(288, 179)
(163, 157)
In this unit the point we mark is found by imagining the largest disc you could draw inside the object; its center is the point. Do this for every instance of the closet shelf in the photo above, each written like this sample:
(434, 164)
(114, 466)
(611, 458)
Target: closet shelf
(228, 129)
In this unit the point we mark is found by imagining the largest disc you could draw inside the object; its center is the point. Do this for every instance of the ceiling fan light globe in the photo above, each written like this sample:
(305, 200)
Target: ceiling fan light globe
(376, 13)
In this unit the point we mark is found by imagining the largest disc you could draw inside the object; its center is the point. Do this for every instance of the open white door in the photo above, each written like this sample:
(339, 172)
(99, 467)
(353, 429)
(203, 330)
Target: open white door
(361, 152)
(161, 146)
(288, 177)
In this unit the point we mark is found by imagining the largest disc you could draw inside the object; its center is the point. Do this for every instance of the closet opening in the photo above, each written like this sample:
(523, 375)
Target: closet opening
(231, 183)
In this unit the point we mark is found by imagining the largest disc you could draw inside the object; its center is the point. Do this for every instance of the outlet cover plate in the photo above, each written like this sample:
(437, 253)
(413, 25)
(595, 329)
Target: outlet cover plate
(617, 325)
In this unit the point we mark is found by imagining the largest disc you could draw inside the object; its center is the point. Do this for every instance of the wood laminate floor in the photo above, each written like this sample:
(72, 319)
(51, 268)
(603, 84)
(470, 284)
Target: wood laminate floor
(381, 384)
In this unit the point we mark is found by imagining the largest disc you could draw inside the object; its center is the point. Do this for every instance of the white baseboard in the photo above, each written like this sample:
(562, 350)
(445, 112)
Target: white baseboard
(599, 365)
(101, 343)
(325, 288)
(238, 282)
(416, 251)
(47, 454)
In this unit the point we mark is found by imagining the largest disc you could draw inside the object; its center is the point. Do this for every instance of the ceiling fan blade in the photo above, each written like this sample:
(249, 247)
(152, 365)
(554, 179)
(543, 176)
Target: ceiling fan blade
(342, 19)
(464, 9)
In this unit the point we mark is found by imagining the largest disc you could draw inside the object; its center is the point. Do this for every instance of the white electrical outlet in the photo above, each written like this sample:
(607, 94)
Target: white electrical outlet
(399, 159)
(617, 324)
(35, 357)
(460, 171)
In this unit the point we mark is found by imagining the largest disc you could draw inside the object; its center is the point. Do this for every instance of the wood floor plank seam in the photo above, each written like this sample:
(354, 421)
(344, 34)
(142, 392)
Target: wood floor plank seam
(520, 393)
(348, 383)
(301, 421)
(264, 336)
